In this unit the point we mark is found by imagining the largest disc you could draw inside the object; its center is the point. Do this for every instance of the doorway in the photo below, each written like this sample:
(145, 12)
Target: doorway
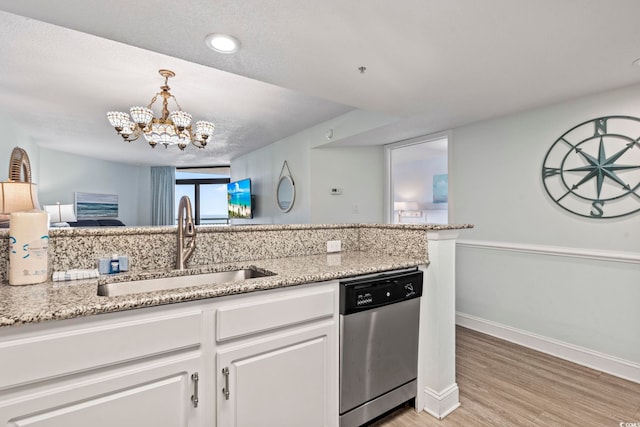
(418, 180)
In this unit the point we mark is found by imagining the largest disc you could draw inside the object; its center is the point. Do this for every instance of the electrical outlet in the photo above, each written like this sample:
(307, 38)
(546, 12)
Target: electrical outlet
(334, 246)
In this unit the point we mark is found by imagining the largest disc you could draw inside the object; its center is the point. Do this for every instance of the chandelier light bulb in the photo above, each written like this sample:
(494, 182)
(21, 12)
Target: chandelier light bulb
(204, 129)
(128, 130)
(141, 115)
(118, 120)
(180, 118)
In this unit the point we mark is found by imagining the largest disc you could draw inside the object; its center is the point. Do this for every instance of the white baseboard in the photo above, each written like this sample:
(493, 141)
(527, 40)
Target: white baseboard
(442, 404)
(580, 355)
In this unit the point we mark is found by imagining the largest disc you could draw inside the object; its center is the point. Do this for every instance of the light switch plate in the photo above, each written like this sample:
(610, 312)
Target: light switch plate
(334, 246)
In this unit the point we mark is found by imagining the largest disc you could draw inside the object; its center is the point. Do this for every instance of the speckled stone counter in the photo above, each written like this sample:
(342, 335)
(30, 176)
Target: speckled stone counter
(295, 253)
(64, 300)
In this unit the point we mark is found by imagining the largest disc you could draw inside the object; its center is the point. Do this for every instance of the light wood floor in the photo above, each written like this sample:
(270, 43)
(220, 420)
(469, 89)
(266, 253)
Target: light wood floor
(504, 384)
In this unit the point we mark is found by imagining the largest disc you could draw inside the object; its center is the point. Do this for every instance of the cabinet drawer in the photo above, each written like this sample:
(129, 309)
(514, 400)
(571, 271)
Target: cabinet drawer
(142, 395)
(260, 313)
(77, 347)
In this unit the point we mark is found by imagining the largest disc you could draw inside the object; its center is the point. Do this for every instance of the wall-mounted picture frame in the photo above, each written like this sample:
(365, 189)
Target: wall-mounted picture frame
(95, 205)
(441, 188)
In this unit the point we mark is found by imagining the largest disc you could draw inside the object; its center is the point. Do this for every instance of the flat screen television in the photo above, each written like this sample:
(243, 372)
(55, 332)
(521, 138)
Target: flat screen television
(239, 198)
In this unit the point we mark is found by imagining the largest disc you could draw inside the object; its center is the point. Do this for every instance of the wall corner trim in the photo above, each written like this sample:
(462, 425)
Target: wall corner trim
(442, 404)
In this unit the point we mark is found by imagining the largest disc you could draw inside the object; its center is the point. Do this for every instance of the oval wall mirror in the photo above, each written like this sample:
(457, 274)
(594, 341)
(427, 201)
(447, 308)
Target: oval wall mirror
(286, 191)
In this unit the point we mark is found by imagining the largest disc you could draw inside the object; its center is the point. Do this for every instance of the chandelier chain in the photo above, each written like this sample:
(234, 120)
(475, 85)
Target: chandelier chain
(154, 99)
(176, 101)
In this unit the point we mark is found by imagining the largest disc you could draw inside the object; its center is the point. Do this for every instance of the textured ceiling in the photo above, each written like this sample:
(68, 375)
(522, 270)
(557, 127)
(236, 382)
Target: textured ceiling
(58, 85)
(432, 64)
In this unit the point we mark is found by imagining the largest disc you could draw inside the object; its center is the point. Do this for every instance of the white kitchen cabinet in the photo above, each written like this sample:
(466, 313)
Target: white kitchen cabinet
(124, 369)
(281, 369)
(282, 381)
(135, 368)
(153, 394)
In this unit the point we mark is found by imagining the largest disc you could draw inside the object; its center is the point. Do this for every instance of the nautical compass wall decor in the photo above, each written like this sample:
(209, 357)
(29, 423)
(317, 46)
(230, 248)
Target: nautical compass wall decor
(593, 169)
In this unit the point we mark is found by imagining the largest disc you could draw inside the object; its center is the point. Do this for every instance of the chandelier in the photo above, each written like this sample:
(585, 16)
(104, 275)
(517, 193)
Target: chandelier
(173, 128)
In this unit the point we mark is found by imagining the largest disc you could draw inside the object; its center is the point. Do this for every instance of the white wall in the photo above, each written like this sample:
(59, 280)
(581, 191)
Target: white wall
(13, 136)
(357, 170)
(263, 166)
(413, 180)
(495, 183)
(62, 174)
(58, 175)
(589, 303)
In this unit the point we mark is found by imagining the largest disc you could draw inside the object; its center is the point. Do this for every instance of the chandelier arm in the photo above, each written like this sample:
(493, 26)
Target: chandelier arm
(197, 143)
(129, 139)
(136, 134)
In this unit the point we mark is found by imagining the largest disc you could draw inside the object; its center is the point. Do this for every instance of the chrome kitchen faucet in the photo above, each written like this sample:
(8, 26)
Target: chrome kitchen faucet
(186, 228)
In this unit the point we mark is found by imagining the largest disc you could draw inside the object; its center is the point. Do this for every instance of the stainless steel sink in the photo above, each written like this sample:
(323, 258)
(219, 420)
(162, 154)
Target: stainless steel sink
(166, 283)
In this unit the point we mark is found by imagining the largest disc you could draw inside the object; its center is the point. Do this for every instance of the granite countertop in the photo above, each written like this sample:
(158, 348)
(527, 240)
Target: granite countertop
(134, 230)
(66, 300)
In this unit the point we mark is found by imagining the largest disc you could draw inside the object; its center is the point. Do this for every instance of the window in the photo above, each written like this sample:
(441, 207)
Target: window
(207, 189)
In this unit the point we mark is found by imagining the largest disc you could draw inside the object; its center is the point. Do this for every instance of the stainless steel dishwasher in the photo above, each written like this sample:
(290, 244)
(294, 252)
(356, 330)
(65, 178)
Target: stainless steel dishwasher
(379, 322)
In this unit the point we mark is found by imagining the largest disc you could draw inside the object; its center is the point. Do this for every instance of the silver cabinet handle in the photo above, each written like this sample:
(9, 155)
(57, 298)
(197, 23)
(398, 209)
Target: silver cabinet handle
(225, 390)
(194, 397)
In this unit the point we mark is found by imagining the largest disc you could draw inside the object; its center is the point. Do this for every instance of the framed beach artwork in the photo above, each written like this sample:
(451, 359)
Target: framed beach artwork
(441, 188)
(93, 205)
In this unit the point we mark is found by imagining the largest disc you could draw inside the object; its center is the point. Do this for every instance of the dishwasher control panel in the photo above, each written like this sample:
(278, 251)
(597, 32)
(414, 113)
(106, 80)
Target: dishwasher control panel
(360, 294)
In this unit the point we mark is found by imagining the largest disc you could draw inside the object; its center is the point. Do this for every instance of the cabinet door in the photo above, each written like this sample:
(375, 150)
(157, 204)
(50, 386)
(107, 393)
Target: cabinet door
(284, 380)
(153, 394)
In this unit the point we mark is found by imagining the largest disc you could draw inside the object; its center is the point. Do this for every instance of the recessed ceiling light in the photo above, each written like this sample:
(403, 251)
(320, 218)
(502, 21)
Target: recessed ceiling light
(222, 43)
